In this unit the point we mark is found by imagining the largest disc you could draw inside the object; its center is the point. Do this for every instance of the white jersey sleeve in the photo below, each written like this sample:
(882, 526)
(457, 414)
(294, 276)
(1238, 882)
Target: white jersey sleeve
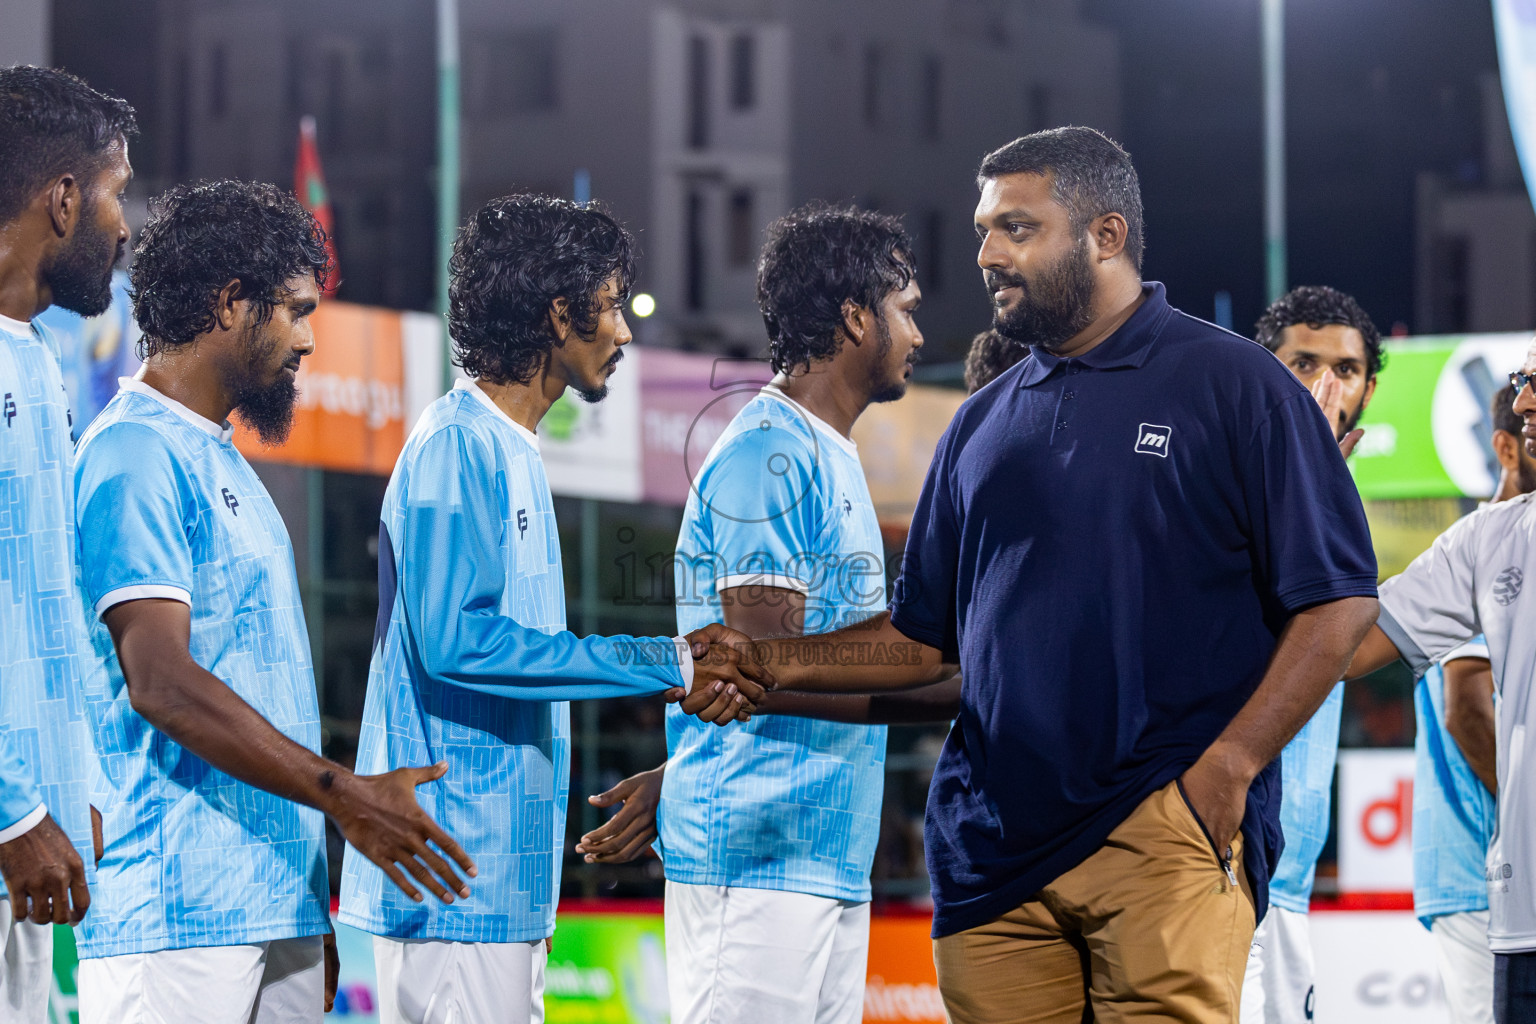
(1430, 608)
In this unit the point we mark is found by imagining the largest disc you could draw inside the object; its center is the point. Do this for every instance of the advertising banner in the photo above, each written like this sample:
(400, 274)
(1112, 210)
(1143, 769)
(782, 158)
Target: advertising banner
(1375, 967)
(352, 412)
(1375, 820)
(1428, 430)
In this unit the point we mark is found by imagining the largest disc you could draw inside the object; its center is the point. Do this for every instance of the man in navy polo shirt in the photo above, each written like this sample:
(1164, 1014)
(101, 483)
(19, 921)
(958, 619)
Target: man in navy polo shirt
(1143, 546)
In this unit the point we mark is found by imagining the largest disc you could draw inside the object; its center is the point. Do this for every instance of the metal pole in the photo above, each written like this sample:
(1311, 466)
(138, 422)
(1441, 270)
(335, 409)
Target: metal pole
(447, 155)
(590, 766)
(1274, 148)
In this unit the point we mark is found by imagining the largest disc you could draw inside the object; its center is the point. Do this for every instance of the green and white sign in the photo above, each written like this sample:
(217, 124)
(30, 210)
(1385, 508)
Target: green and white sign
(1427, 431)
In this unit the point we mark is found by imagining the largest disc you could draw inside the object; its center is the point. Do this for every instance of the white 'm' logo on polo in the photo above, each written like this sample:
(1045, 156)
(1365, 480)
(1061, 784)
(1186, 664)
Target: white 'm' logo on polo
(1152, 439)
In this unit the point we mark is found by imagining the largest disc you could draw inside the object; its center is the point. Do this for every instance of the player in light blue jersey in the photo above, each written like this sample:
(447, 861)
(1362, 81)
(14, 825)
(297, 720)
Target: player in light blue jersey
(212, 901)
(1455, 772)
(768, 832)
(63, 169)
(472, 662)
(1331, 345)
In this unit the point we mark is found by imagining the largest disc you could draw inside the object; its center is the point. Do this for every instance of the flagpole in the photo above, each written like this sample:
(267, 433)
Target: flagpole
(1274, 148)
(447, 156)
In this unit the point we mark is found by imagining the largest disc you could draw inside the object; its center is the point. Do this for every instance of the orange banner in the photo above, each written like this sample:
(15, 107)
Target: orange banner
(902, 985)
(351, 413)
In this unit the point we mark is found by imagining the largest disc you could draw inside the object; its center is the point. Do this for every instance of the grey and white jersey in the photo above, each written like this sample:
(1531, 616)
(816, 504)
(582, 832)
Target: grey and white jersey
(1470, 581)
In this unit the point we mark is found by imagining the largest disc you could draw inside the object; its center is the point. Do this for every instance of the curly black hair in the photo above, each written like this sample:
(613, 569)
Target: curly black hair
(991, 353)
(200, 237)
(1090, 176)
(816, 258)
(1314, 306)
(52, 124)
(511, 261)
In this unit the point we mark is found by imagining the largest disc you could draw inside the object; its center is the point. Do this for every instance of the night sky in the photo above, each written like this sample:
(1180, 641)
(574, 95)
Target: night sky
(1377, 90)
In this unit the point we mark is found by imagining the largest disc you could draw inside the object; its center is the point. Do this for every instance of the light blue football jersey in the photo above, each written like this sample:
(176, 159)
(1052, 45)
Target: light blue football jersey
(45, 747)
(1306, 803)
(778, 803)
(1453, 812)
(472, 665)
(166, 507)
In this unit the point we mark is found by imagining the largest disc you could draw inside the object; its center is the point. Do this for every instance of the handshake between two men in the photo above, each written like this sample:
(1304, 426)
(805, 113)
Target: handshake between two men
(733, 673)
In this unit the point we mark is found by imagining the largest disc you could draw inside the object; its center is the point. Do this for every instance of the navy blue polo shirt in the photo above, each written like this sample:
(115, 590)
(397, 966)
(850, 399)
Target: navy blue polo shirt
(1110, 546)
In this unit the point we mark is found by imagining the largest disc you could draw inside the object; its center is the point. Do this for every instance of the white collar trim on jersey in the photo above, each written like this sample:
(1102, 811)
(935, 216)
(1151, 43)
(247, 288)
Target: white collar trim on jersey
(845, 443)
(223, 433)
(474, 389)
(21, 327)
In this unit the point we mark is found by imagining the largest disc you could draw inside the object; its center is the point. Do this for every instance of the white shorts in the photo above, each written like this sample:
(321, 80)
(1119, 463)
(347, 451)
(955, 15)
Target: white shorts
(1277, 988)
(26, 968)
(1466, 965)
(430, 981)
(278, 982)
(760, 956)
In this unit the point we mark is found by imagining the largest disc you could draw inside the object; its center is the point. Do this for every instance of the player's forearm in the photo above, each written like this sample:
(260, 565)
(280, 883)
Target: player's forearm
(939, 702)
(1313, 653)
(866, 657)
(1469, 716)
(1376, 651)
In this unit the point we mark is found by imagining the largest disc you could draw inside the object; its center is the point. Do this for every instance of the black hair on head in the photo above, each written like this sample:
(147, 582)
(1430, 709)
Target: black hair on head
(1090, 176)
(816, 258)
(200, 237)
(514, 258)
(52, 124)
(1502, 408)
(1316, 306)
(991, 353)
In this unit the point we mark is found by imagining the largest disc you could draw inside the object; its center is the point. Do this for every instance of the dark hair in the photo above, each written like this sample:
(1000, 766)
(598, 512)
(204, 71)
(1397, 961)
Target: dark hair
(1502, 408)
(1090, 176)
(1314, 306)
(51, 124)
(511, 261)
(200, 237)
(816, 258)
(991, 353)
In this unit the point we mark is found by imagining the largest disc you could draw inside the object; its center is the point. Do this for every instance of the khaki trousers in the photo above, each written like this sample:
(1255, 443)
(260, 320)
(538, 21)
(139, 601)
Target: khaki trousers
(1148, 928)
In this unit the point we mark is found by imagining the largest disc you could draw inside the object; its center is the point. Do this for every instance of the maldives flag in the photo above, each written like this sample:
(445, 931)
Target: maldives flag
(309, 184)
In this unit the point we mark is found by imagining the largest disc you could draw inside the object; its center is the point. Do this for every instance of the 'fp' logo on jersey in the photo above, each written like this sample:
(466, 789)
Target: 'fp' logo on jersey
(1152, 439)
(522, 522)
(10, 409)
(230, 501)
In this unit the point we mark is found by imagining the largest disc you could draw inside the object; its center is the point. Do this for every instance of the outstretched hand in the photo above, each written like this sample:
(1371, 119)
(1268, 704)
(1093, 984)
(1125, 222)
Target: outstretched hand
(728, 681)
(379, 815)
(630, 832)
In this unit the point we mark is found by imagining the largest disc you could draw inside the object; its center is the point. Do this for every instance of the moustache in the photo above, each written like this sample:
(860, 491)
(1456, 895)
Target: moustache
(997, 279)
(616, 359)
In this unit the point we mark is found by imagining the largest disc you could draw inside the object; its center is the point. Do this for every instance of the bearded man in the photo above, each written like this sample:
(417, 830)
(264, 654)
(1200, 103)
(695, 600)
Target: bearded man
(1143, 547)
(213, 902)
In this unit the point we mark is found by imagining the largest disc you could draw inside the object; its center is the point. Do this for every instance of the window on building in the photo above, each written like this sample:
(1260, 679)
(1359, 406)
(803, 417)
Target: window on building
(694, 250)
(741, 232)
(933, 95)
(932, 260)
(698, 92)
(873, 60)
(218, 82)
(743, 72)
(518, 72)
(1037, 107)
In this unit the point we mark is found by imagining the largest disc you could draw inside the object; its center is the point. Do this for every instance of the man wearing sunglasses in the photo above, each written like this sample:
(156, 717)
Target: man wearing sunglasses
(1471, 581)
